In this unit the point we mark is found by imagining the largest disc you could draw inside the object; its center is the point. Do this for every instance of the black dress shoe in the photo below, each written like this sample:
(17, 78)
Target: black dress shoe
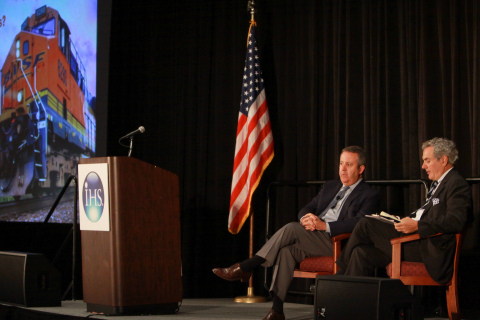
(272, 315)
(232, 273)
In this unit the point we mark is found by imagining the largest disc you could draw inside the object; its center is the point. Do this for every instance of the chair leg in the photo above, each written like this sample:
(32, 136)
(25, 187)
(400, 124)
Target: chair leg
(452, 303)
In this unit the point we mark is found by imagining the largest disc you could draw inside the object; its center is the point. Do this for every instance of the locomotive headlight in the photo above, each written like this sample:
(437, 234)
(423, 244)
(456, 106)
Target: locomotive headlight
(19, 96)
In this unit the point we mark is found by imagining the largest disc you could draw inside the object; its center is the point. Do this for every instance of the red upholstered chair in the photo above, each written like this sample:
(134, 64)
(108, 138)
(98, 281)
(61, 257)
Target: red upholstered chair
(313, 266)
(415, 273)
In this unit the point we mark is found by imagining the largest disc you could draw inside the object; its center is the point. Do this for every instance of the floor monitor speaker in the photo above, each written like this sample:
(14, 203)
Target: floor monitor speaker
(29, 279)
(345, 297)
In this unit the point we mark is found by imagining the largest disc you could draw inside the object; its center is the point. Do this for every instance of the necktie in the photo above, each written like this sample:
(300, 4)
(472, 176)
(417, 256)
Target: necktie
(340, 196)
(429, 195)
(432, 188)
(334, 201)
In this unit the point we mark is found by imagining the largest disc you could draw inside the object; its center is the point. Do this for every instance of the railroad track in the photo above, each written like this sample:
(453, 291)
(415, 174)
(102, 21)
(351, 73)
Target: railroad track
(33, 204)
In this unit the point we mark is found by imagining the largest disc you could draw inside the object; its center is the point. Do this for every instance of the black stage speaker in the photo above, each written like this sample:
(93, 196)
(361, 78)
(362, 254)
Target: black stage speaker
(29, 279)
(345, 297)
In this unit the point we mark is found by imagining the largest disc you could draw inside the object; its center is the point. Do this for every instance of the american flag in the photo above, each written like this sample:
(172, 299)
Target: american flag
(254, 147)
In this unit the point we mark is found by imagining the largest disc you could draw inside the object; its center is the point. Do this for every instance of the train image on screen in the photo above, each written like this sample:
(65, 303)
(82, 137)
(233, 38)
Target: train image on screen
(47, 119)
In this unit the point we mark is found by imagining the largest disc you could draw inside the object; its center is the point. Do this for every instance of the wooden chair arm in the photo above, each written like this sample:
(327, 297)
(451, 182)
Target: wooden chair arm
(410, 237)
(397, 251)
(341, 237)
(337, 248)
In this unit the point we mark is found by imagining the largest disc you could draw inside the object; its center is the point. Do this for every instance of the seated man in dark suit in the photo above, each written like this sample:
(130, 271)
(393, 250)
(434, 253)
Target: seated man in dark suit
(335, 210)
(446, 210)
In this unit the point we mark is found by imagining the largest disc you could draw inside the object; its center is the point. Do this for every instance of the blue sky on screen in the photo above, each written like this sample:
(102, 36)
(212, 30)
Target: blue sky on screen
(80, 15)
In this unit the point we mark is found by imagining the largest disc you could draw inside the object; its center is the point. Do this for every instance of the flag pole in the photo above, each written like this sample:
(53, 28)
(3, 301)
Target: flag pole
(250, 297)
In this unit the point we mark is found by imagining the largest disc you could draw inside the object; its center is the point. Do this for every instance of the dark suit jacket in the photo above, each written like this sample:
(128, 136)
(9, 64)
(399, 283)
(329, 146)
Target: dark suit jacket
(448, 212)
(362, 200)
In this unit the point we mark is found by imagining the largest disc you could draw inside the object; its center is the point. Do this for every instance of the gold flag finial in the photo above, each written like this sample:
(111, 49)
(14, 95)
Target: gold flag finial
(251, 8)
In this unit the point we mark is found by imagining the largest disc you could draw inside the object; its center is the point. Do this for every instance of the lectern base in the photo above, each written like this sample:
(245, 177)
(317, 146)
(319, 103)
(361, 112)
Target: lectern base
(164, 308)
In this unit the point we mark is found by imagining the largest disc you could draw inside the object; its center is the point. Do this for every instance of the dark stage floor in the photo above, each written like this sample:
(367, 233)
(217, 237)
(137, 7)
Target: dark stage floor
(190, 309)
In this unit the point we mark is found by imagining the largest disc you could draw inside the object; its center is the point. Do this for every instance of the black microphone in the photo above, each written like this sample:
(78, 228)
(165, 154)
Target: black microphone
(140, 129)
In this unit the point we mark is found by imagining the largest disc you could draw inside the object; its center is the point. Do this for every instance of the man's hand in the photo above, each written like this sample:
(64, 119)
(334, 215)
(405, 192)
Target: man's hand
(407, 225)
(311, 222)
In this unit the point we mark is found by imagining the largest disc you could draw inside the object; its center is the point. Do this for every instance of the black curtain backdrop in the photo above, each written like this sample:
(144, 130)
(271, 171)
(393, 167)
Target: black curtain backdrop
(385, 75)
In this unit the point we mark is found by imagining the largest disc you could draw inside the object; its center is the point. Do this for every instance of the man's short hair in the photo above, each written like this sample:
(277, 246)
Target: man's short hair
(442, 147)
(362, 157)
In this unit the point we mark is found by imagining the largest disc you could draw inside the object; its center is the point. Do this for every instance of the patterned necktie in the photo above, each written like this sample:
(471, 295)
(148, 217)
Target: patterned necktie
(429, 195)
(339, 197)
(432, 188)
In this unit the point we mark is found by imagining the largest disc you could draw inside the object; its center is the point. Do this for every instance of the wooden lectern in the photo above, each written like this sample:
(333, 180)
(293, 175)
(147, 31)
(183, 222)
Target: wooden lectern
(135, 268)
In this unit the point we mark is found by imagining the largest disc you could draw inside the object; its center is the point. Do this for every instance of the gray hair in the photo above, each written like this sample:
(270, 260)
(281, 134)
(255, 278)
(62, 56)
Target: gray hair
(442, 147)
(362, 157)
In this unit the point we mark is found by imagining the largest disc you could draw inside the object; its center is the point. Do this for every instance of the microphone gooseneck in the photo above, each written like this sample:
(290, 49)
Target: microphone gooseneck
(140, 130)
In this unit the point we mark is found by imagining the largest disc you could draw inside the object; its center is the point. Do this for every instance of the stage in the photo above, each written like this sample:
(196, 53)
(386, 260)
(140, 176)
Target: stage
(223, 308)
(190, 309)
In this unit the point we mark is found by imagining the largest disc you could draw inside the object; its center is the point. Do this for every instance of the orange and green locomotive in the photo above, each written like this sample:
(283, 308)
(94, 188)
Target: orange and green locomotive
(47, 119)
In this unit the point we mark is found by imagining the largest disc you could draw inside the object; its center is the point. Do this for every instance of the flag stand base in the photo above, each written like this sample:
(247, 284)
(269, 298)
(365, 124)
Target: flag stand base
(250, 297)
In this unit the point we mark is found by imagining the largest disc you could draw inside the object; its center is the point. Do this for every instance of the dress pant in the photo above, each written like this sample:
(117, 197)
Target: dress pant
(288, 247)
(369, 247)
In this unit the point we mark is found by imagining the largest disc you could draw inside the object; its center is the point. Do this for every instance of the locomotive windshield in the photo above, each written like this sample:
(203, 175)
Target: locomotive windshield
(45, 28)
